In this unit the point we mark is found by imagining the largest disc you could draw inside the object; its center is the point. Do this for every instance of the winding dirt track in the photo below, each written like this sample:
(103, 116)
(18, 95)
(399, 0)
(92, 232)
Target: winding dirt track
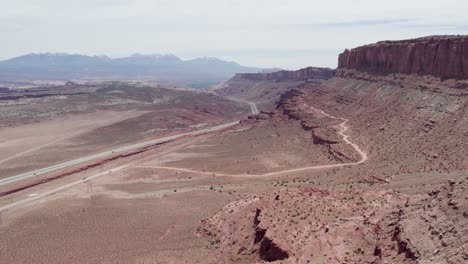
(343, 128)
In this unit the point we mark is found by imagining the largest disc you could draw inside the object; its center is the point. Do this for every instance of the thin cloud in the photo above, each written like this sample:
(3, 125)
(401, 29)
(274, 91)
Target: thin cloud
(283, 33)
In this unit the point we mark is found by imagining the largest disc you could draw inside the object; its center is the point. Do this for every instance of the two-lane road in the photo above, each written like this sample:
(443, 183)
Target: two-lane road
(252, 105)
(253, 108)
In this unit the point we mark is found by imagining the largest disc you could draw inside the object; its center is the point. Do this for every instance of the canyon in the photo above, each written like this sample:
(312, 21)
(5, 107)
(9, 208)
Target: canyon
(406, 102)
(365, 163)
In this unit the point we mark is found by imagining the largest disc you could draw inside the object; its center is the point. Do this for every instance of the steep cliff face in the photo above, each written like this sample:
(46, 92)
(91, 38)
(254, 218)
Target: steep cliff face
(299, 75)
(440, 56)
(266, 88)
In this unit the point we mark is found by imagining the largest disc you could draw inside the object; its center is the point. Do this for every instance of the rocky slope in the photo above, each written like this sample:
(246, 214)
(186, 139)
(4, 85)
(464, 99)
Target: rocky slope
(415, 124)
(407, 203)
(266, 88)
(441, 56)
(316, 225)
(322, 129)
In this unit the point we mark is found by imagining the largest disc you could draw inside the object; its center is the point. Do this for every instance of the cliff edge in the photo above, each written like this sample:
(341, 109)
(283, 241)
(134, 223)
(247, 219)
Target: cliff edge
(441, 56)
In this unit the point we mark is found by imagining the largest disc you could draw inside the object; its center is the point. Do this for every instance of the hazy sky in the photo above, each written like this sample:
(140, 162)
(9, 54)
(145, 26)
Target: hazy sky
(283, 33)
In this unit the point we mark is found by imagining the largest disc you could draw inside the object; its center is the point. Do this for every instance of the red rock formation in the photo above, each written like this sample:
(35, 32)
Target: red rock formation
(299, 75)
(441, 56)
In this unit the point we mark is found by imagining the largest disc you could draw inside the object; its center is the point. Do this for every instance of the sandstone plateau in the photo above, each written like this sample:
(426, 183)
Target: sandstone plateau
(441, 56)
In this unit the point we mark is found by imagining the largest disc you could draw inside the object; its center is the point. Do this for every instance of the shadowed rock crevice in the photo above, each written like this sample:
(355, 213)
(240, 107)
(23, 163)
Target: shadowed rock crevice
(403, 247)
(268, 250)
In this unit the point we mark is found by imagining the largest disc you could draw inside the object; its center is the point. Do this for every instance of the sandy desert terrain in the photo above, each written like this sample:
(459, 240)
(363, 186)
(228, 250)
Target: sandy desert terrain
(93, 119)
(355, 166)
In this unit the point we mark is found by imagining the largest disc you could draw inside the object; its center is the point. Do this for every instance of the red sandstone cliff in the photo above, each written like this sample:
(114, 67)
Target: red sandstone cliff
(299, 75)
(441, 56)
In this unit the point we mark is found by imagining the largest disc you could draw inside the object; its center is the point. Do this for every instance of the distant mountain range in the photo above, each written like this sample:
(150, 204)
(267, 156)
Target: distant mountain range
(161, 68)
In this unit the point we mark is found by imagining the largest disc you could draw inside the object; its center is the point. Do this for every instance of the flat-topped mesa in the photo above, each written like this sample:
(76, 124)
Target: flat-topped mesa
(441, 56)
(299, 75)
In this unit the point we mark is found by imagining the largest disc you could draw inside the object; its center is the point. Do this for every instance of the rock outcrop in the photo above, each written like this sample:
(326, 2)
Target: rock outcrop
(299, 75)
(441, 56)
(266, 88)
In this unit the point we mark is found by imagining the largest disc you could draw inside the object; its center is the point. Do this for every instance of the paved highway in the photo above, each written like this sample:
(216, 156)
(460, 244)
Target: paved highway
(343, 129)
(64, 165)
(253, 108)
(39, 172)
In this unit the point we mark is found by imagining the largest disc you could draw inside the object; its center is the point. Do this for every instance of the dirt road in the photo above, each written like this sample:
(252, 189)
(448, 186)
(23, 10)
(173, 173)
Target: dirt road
(343, 128)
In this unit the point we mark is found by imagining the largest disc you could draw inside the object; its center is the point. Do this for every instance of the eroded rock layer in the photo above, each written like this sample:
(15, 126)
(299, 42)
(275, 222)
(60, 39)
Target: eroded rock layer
(266, 88)
(404, 204)
(313, 225)
(302, 74)
(441, 56)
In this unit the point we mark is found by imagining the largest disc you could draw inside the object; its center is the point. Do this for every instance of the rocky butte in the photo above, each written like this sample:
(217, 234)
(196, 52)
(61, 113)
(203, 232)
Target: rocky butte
(441, 56)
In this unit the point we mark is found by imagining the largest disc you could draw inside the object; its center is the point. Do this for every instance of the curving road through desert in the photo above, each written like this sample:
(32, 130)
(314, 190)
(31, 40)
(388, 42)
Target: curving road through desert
(70, 163)
(43, 171)
(343, 128)
(253, 108)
